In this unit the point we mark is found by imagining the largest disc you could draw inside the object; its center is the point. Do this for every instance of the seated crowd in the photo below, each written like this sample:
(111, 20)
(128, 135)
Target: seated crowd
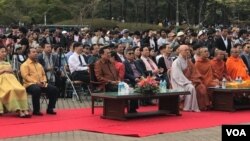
(185, 61)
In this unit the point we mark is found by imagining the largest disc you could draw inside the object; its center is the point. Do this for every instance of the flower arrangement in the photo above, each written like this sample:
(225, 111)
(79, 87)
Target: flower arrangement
(147, 86)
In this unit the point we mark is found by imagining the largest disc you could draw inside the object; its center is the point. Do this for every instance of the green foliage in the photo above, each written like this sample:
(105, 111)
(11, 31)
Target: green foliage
(58, 14)
(132, 11)
(102, 23)
(6, 20)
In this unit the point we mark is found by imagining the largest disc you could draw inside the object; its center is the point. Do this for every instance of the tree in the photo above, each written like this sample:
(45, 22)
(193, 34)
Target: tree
(193, 11)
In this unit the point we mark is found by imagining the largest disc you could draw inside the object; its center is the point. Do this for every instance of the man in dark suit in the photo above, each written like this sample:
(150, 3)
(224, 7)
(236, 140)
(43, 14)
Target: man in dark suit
(133, 69)
(223, 42)
(48, 61)
(245, 56)
(166, 61)
(120, 52)
(134, 73)
(148, 37)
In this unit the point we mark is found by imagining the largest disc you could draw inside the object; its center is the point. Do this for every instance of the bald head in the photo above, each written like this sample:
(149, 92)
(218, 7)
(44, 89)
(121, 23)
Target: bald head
(184, 51)
(219, 54)
(235, 52)
(203, 52)
(183, 47)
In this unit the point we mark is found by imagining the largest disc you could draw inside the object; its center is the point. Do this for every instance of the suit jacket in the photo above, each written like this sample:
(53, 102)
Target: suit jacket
(143, 68)
(245, 61)
(162, 64)
(105, 71)
(129, 74)
(42, 62)
(146, 40)
(219, 43)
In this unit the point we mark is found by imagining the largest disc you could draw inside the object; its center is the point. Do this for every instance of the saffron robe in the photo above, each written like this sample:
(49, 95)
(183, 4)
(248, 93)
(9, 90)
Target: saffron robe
(205, 69)
(236, 68)
(193, 75)
(219, 69)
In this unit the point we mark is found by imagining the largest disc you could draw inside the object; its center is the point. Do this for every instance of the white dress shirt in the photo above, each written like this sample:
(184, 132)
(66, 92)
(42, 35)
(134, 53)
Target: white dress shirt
(121, 57)
(225, 41)
(74, 63)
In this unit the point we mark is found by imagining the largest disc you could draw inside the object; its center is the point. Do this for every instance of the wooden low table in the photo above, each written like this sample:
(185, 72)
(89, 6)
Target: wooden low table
(114, 105)
(230, 99)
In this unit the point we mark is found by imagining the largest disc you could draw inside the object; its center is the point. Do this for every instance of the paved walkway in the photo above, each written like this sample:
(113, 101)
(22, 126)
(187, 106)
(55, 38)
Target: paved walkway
(209, 134)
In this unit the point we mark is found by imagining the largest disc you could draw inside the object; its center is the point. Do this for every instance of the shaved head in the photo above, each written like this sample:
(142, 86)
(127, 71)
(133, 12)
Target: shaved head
(219, 54)
(184, 51)
(183, 47)
(203, 52)
(235, 52)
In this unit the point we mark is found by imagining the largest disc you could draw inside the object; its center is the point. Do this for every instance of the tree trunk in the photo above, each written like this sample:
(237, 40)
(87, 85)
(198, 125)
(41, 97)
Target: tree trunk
(156, 14)
(196, 6)
(110, 9)
(187, 8)
(201, 3)
(135, 2)
(145, 10)
(150, 14)
(124, 9)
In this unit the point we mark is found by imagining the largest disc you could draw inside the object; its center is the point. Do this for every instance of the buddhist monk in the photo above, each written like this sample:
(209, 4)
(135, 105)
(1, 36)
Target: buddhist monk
(193, 75)
(235, 66)
(180, 81)
(205, 68)
(219, 65)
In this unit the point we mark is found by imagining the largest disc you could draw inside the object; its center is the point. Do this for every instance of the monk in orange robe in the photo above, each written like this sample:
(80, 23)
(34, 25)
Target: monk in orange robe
(235, 66)
(205, 68)
(194, 76)
(219, 65)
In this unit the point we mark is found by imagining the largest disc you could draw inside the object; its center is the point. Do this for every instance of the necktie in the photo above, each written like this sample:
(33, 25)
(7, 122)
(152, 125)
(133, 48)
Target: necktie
(151, 65)
(59, 63)
(80, 60)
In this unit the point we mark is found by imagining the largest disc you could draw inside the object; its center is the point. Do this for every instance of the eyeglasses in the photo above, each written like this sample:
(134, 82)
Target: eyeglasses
(130, 53)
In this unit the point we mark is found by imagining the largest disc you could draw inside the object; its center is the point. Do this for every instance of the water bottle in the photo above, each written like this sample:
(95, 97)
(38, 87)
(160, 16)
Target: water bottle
(240, 79)
(223, 85)
(119, 88)
(164, 86)
(123, 89)
(237, 79)
(161, 86)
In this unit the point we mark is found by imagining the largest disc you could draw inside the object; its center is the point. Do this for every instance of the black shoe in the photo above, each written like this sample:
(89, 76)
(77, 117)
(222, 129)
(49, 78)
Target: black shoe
(51, 112)
(132, 111)
(37, 114)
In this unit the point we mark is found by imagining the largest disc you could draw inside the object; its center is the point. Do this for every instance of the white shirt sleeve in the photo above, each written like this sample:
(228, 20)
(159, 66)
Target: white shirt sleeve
(74, 64)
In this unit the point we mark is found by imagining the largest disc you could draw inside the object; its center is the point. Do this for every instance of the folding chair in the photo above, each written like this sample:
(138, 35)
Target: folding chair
(75, 87)
(44, 98)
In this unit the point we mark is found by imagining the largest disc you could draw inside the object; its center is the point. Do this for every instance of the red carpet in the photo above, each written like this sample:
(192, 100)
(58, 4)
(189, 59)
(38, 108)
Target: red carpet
(82, 119)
